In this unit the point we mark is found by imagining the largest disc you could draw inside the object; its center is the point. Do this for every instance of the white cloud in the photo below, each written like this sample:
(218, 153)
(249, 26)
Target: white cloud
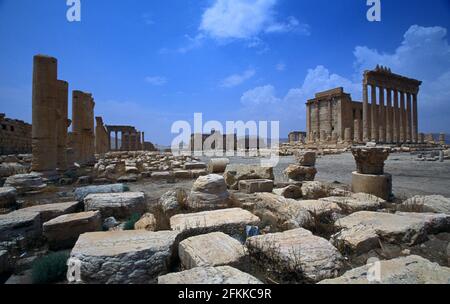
(291, 25)
(156, 80)
(237, 79)
(280, 67)
(260, 96)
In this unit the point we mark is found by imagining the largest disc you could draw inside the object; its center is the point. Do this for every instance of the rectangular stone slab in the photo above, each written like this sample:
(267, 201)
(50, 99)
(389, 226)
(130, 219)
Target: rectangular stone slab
(213, 249)
(209, 275)
(124, 257)
(256, 186)
(63, 231)
(20, 225)
(230, 221)
(120, 205)
(51, 211)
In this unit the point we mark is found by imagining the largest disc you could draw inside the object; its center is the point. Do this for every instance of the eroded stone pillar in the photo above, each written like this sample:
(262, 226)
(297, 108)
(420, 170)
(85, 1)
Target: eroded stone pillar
(408, 118)
(62, 123)
(374, 110)
(357, 131)
(396, 118)
(366, 114)
(389, 117)
(44, 132)
(83, 126)
(415, 127)
(402, 117)
(348, 135)
(382, 118)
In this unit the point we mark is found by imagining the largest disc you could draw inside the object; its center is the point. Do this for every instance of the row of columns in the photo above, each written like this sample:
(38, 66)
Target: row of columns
(130, 141)
(393, 119)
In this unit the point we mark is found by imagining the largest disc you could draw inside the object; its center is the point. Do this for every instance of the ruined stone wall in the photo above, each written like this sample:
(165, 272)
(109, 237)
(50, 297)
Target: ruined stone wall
(101, 137)
(15, 136)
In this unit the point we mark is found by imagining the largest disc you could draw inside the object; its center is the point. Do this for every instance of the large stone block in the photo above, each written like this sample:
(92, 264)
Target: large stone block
(237, 172)
(20, 225)
(7, 197)
(62, 232)
(82, 192)
(305, 158)
(118, 205)
(296, 255)
(300, 173)
(51, 211)
(356, 202)
(209, 275)
(124, 257)
(430, 203)
(209, 192)
(218, 165)
(194, 166)
(378, 185)
(256, 186)
(405, 270)
(26, 183)
(230, 221)
(213, 249)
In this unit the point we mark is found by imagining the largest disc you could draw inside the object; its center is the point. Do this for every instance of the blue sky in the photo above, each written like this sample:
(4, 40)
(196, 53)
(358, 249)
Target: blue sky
(150, 63)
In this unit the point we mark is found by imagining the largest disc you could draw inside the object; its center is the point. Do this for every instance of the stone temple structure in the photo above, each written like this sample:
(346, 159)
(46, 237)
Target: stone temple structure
(131, 138)
(101, 137)
(15, 136)
(389, 116)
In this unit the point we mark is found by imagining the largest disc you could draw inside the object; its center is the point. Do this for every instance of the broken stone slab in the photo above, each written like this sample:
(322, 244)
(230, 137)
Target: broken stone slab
(162, 175)
(31, 183)
(20, 225)
(5, 264)
(146, 222)
(218, 165)
(209, 192)
(81, 193)
(8, 197)
(11, 168)
(356, 202)
(173, 201)
(430, 203)
(209, 275)
(51, 211)
(182, 174)
(281, 212)
(291, 191)
(230, 221)
(194, 166)
(237, 172)
(404, 270)
(198, 172)
(213, 249)
(62, 232)
(300, 173)
(305, 158)
(256, 186)
(359, 229)
(315, 190)
(119, 205)
(297, 254)
(123, 257)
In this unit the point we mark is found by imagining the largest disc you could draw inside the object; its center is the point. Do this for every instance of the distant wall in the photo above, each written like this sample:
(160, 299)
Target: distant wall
(15, 136)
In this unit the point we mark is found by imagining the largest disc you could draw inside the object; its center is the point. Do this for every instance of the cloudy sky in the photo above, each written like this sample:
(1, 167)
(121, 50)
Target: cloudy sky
(151, 63)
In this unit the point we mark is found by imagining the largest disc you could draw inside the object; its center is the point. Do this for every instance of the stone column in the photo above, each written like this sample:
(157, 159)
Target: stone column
(109, 141)
(415, 126)
(63, 123)
(123, 141)
(408, 118)
(389, 115)
(348, 135)
(357, 131)
(318, 118)
(330, 117)
(396, 119)
(402, 117)
(143, 140)
(382, 116)
(374, 110)
(421, 138)
(366, 114)
(44, 137)
(116, 139)
(308, 121)
(442, 139)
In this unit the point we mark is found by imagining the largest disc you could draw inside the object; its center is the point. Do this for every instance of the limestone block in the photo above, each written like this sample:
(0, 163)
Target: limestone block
(356, 202)
(209, 275)
(120, 205)
(378, 185)
(62, 232)
(235, 173)
(256, 186)
(50, 211)
(305, 158)
(218, 165)
(300, 173)
(194, 166)
(291, 191)
(7, 197)
(16, 225)
(26, 183)
(209, 192)
(146, 222)
(430, 203)
(315, 190)
(82, 192)
(124, 257)
(213, 249)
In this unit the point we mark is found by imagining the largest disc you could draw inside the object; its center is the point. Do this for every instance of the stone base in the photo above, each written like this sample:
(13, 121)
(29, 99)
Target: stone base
(378, 185)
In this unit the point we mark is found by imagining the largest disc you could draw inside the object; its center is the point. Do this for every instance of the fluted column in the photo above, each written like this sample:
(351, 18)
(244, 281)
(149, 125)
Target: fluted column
(308, 121)
(415, 128)
(382, 118)
(408, 118)
(389, 114)
(116, 147)
(396, 118)
(318, 119)
(402, 118)
(366, 114)
(374, 110)
(109, 141)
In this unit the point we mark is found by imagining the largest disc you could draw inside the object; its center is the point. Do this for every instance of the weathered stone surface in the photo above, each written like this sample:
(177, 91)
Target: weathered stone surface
(162, 175)
(315, 190)
(194, 166)
(305, 158)
(404, 270)
(213, 249)
(7, 197)
(297, 252)
(281, 212)
(300, 173)
(370, 160)
(26, 183)
(81, 193)
(173, 200)
(209, 275)
(4, 261)
(51, 211)
(360, 229)
(62, 232)
(256, 186)
(182, 174)
(124, 257)
(237, 172)
(356, 202)
(218, 165)
(431, 203)
(230, 221)
(146, 222)
(378, 185)
(119, 205)
(291, 191)
(209, 192)
(11, 168)
(16, 225)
